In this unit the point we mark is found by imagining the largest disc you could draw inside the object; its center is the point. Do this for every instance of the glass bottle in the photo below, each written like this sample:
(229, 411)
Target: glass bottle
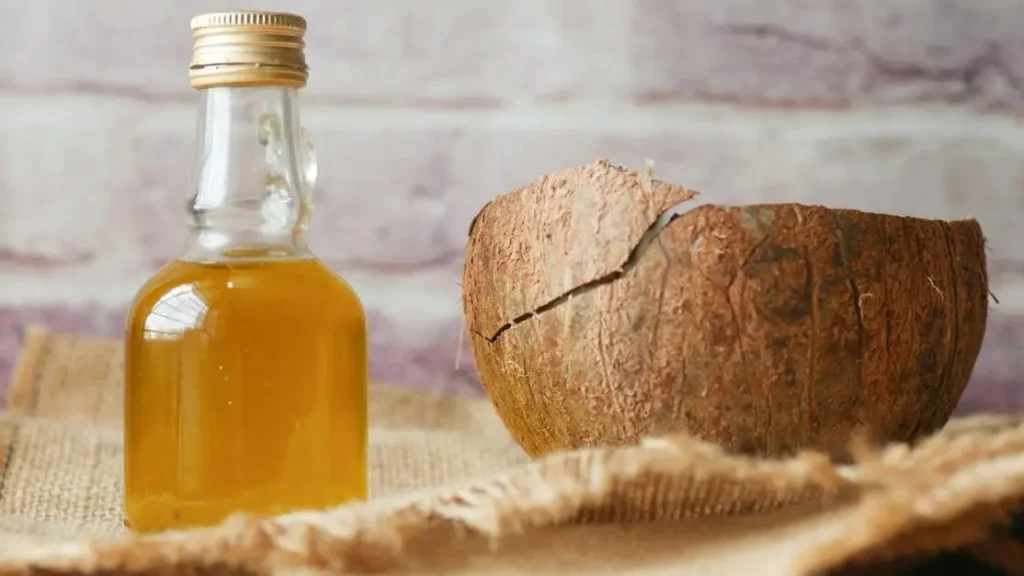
(245, 357)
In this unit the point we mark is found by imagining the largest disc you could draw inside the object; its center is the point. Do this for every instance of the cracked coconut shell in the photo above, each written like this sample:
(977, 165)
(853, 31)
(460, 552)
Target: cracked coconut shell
(595, 318)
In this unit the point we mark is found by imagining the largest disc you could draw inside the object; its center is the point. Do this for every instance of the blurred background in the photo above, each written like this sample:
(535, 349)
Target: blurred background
(421, 111)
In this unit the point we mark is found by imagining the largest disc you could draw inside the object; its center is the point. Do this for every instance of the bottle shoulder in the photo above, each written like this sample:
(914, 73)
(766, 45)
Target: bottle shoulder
(284, 286)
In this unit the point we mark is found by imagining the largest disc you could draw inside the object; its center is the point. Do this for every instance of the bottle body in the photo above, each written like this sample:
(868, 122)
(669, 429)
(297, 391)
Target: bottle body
(245, 390)
(246, 357)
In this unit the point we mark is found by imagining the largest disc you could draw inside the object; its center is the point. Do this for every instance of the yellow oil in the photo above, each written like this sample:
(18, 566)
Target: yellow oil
(245, 390)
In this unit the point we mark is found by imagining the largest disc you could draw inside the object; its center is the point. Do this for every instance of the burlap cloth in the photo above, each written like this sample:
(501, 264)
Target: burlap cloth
(453, 494)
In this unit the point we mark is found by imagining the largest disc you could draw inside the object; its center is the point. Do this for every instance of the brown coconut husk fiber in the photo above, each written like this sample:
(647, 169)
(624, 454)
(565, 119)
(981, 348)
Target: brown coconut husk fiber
(604, 306)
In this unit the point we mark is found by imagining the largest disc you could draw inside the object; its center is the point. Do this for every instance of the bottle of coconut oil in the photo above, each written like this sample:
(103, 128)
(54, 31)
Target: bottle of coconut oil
(245, 357)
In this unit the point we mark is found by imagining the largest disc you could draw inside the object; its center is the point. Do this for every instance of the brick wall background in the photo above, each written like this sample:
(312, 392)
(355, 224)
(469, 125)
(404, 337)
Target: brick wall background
(423, 110)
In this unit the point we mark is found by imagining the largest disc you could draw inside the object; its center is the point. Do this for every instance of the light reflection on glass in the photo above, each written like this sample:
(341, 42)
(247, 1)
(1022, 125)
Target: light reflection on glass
(179, 310)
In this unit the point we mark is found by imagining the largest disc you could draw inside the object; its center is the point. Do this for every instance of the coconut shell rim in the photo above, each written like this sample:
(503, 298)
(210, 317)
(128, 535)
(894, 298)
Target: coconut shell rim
(869, 213)
(760, 205)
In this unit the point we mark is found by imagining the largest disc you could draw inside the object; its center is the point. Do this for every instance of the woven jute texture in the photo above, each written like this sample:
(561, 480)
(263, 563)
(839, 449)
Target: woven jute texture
(453, 494)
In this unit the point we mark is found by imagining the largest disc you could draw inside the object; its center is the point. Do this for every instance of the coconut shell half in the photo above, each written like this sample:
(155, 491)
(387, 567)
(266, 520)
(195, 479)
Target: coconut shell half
(596, 320)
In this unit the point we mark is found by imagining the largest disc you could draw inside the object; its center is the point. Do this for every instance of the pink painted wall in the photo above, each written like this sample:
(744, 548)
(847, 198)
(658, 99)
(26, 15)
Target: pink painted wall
(422, 111)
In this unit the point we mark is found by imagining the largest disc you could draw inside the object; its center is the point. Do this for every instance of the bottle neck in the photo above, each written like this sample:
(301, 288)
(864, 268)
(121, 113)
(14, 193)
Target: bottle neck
(254, 172)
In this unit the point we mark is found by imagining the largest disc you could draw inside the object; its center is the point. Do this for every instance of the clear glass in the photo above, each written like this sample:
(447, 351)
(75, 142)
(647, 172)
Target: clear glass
(245, 357)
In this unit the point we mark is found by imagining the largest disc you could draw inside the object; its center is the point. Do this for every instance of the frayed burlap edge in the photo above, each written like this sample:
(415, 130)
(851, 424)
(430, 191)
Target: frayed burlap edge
(944, 493)
(562, 488)
(947, 492)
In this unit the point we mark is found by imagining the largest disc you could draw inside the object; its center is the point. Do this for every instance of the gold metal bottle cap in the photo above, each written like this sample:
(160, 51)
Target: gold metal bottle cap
(248, 48)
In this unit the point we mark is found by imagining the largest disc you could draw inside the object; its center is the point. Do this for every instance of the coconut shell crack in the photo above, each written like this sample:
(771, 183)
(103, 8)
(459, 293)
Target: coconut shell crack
(565, 232)
(635, 255)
